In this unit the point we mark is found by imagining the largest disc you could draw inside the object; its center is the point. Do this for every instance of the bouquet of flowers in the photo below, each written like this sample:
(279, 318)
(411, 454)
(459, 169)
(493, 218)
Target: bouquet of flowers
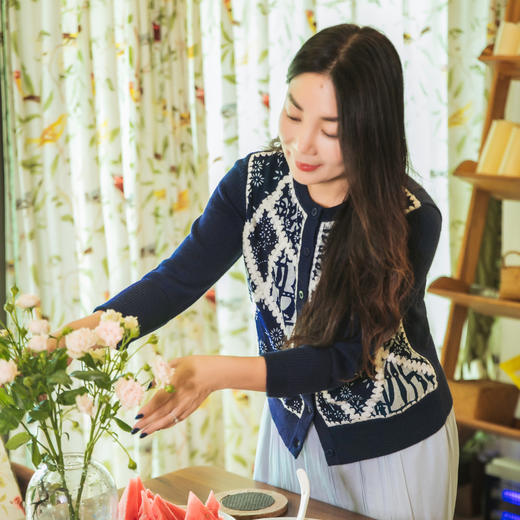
(39, 383)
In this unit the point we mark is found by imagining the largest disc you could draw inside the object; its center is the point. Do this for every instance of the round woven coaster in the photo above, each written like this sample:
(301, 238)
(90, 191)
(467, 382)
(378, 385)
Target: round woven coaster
(247, 504)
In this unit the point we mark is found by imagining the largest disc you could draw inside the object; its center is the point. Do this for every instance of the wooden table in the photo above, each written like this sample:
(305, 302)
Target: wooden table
(201, 479)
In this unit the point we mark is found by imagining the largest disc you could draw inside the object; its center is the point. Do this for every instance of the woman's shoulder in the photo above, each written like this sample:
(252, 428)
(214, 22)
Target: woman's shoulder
(417, 196)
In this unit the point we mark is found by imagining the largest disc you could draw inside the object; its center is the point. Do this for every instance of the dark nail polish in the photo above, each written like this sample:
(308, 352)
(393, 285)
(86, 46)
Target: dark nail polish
(150, 385)
(135, 430)
(143, 435)
(140, 416)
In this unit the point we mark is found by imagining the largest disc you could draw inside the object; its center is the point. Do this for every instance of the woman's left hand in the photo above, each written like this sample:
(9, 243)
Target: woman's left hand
(194, 379)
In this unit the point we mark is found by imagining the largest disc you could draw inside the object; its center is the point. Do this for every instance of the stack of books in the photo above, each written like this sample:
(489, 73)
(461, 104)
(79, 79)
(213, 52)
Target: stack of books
(507, 42)
(501, 152)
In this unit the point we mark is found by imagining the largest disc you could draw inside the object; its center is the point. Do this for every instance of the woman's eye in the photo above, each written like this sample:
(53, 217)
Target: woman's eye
(292, 118)
(332, 136)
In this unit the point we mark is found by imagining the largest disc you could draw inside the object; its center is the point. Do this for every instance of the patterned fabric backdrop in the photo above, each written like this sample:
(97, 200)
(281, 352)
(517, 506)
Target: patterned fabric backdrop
(106, 172)
(109, 103)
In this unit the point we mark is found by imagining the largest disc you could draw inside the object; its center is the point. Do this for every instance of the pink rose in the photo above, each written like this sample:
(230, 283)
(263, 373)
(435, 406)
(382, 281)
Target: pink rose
(110, 333)
(27, 301)
(8, 371)
(39, 327)
(38, 343)
(129, 392)
(85, 404)
(79, 342)
(162, 371)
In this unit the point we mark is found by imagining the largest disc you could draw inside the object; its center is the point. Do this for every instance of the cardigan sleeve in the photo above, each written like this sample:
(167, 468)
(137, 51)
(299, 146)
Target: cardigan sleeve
(307, 369)
(212, 247)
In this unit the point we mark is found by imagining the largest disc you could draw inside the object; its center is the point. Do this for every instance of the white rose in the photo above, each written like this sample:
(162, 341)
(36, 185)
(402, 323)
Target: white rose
(38, 343)
(79, 342)
(8, 371)
(39, 327)
(27, 301)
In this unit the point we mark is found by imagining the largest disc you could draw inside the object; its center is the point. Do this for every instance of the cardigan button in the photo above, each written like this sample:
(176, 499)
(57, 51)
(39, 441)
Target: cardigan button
(314, 212)
(297, 443)
(300, 295)
(330, 452)
(306, 251)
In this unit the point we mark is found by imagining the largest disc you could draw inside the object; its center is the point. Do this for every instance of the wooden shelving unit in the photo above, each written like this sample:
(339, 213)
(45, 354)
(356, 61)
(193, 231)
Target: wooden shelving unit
(457, 288)
(500, 187)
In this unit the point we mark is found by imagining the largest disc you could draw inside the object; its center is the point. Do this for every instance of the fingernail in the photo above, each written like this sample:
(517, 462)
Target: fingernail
(140, 416)
(135, 430)
(143, 435)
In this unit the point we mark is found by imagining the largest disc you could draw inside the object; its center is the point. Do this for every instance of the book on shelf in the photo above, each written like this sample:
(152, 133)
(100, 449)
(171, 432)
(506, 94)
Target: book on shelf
(510, 164)
(507, 42)
(500, 151)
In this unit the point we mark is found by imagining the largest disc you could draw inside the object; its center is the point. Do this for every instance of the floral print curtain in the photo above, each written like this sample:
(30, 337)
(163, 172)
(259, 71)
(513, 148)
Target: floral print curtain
(122, 115)
(106, 170)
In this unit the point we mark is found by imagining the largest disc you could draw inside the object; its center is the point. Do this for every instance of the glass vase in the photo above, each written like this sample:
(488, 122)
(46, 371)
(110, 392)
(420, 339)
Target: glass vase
(52, 495)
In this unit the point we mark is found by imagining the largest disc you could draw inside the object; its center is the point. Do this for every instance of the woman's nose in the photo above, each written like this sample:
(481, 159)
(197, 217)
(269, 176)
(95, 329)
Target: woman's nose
(305, 142)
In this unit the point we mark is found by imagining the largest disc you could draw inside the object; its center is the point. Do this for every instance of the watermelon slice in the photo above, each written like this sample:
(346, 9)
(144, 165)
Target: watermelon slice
(146, 511)
(178, 512)
(128, 507)
(196, 510)
(212, 504)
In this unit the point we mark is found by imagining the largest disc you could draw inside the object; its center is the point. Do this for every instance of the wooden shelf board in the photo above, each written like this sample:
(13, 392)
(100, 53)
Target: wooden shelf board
(457, 291)
(508, 65)
(498, 429)
(499, 186)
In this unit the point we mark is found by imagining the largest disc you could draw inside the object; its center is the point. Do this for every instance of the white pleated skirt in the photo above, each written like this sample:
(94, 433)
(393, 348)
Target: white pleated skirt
(417, 483)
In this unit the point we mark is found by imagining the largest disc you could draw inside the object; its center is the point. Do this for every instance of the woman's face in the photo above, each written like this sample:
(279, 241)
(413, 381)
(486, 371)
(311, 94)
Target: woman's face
(308, 130)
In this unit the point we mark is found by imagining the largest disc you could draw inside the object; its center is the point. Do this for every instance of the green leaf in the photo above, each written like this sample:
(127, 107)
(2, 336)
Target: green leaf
(54, 164)
(238, 458)
(132, 464)
(18, 440)
(5, 398)
(87, 359)
(237, 276)
(113, 134)
(10, 419)
(69, 396)
(41, 412)
(95, 376)
(263, 55)
(124, 426)
(36, 456)
(34, 271)
(231, 78)
(60, 378)
(26, 82)
(48, 101)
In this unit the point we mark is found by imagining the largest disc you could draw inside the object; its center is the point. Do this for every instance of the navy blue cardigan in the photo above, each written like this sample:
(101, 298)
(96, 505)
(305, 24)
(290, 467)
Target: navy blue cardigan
(260, 212)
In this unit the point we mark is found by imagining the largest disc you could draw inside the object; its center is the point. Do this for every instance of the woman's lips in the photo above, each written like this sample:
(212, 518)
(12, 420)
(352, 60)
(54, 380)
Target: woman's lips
(306, 167)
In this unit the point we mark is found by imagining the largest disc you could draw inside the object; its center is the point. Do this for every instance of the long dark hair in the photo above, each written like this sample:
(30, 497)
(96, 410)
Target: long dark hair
(366, 274)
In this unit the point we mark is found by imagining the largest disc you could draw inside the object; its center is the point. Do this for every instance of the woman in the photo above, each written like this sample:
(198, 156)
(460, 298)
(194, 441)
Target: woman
(337, 240)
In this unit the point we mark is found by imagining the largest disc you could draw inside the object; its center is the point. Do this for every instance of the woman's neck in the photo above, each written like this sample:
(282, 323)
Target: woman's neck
(329, 195)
